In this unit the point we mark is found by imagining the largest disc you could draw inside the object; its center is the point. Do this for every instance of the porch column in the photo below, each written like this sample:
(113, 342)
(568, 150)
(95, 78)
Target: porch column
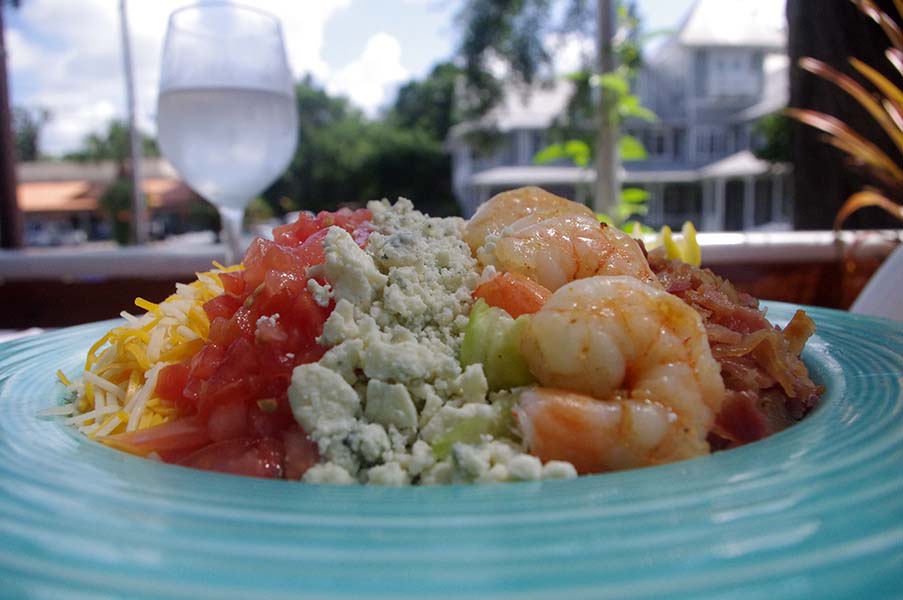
(777, 191)
(657, 202)
(708, 205)
(749, 202)
(720, 185)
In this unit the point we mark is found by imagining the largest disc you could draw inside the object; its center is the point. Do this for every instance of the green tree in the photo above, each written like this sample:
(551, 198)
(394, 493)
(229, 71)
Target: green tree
(343, 158)
(27, 124)
(116, 203)
(111, 144)
(332, 145)
(773, 138)
(412, 164)
(428, 105)
(514, 34)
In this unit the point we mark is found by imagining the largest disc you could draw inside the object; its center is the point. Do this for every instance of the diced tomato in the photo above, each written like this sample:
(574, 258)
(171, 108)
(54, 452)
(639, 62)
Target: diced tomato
(233, 283)
(179, 435)
(232, 394)
(300, 453)
(206, 362)
(244, 456)
(228, 420)
(171, 381)
(224, 306)
(307, 224)
(513, 293)
(268, 417)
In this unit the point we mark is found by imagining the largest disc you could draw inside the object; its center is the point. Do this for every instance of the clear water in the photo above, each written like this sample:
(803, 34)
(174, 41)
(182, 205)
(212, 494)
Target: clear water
(228, 144)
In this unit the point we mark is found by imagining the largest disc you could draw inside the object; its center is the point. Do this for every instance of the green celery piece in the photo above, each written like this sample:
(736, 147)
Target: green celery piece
(492, 338)
(465, 432)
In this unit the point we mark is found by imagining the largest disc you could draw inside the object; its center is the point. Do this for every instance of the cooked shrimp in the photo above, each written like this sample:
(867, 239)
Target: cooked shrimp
(507, 207)
(638, 371)
(551, 240)
(600, 436)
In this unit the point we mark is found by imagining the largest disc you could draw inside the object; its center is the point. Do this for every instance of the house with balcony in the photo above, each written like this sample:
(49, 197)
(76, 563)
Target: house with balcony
(721, 71)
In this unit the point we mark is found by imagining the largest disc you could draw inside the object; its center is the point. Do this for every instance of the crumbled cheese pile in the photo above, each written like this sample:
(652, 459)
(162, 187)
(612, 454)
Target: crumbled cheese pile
(391, 391)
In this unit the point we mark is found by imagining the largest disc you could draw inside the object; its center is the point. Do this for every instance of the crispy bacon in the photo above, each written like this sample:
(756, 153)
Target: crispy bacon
(768, 385)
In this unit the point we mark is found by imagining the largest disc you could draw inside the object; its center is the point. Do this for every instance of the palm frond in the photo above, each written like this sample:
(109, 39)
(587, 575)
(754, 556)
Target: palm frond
(884, 85)
(894, 111)
(859, 93)
(850, 141)
(895, 57)
(855, 155)
(888, 25)
(867, 197)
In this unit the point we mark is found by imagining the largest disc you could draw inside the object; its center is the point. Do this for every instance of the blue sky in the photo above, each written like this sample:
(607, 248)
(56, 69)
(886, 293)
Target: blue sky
(65, 55)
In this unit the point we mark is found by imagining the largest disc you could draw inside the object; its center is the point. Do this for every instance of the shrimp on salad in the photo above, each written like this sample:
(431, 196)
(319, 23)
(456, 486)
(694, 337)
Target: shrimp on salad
(626, 376)
(551, 240)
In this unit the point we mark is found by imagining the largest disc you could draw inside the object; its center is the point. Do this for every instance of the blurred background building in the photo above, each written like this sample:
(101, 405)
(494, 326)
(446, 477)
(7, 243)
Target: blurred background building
(61, 200)
(709, 83)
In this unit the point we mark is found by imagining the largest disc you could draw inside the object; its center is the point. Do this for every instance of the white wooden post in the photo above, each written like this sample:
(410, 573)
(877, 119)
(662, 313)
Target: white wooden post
(777, 191)
(720, 193)
(749, 202)
(608, 186)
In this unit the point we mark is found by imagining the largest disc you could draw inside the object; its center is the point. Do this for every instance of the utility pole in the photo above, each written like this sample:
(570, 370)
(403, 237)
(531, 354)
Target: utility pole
(139, 210)
(10, 216)
(608, 185)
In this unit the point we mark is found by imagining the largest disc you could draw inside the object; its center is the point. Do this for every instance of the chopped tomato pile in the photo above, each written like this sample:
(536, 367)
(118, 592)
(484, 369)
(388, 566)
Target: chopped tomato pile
(231, 397)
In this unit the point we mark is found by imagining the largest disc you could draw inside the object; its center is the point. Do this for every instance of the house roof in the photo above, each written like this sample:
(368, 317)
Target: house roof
(105, 171)
(81, 195)
(756, 23)
(564, 175)
(56, 196)
(741, 164)
(534, 108)
(775, 91)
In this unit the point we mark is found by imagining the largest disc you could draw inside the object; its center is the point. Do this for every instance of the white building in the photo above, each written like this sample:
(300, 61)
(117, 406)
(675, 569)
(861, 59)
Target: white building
(708, 83)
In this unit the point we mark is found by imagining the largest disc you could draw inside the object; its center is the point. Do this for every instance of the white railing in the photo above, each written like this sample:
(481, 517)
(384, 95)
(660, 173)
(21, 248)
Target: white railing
(165, 260)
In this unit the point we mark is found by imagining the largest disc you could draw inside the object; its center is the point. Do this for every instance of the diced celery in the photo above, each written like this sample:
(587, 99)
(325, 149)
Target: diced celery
(492, 338)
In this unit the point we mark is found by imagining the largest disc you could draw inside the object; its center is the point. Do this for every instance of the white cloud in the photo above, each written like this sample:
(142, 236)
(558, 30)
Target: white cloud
(570, 51)
(70, 55)
(23, 55)
(370, 79)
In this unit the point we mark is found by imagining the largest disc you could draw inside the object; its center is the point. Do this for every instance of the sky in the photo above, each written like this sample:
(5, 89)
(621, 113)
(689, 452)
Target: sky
(65, 56)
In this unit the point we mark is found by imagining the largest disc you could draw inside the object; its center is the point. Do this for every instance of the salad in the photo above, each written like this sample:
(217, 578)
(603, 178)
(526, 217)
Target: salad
(384, 346)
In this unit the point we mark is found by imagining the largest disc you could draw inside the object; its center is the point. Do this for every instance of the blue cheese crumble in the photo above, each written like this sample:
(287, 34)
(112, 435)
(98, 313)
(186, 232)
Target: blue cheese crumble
(390, 390)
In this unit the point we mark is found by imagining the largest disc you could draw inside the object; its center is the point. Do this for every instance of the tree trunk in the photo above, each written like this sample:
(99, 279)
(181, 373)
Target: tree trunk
(608, 185)
(139, 229)
(10, 216)
(834, 31)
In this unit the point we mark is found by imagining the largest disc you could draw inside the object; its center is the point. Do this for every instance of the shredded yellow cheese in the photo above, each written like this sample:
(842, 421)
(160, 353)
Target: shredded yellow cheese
(115, 393)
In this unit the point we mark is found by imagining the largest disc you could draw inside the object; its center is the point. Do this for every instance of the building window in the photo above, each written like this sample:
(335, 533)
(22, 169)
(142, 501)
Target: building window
(679, 144)
(733, 206)
(762, 208)
(710, 142)
(728, 74)
(681, 202)
(537, 142)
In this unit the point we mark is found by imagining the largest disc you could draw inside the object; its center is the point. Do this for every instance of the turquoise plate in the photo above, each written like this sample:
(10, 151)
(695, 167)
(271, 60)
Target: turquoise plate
(813, 512)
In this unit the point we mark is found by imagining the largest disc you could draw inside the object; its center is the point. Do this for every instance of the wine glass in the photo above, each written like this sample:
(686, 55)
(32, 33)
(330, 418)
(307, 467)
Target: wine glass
(226, 115)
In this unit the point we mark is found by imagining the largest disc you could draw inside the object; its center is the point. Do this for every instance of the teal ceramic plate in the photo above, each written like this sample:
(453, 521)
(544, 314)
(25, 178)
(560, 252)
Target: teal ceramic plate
(813, 512)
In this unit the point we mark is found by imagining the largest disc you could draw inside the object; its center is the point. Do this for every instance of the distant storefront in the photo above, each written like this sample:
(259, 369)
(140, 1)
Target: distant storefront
(60, 200)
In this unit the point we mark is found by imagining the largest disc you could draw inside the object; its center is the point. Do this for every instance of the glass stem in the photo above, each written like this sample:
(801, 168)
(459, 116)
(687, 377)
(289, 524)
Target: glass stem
(232, 240)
